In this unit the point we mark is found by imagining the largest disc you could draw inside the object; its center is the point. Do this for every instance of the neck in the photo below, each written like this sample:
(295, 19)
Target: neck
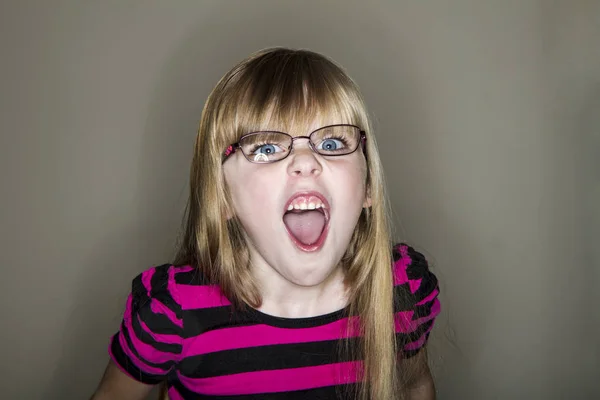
(282, 298)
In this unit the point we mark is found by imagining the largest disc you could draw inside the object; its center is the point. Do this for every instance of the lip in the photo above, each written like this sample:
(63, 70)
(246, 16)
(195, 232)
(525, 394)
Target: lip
(319, 243)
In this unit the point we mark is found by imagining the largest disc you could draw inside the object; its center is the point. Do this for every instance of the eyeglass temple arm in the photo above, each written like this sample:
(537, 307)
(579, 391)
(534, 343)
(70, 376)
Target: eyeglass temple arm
(230, 150)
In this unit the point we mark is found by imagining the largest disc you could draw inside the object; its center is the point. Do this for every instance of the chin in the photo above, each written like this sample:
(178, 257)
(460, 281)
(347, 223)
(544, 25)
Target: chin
(307, 277)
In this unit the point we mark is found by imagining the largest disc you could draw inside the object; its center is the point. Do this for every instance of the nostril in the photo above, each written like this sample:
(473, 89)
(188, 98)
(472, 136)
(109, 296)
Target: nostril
(304, 163)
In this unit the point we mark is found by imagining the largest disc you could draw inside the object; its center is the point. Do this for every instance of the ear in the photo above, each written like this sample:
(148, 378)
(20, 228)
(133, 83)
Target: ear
(367, 203)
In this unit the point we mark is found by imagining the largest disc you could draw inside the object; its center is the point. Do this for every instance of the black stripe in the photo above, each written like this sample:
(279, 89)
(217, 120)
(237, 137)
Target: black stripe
(157, 323)
(160, 279)
(404, 300)
(418, 266)
(139, 295)
(423, 310)
(125, 362)
(145, 337)
(193, 277)
(263, 358)
(428, 284)
(126, 335)
(201, 320)
(324, 393)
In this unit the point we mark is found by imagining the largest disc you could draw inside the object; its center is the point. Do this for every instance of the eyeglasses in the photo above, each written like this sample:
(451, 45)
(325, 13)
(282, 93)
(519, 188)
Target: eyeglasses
(270, 146)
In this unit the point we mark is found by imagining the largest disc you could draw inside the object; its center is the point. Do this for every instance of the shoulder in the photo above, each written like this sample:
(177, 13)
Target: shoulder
(416, 303)
(157, 282)
(181, 287)
(154, 293)
(149, 341)
(411, 269)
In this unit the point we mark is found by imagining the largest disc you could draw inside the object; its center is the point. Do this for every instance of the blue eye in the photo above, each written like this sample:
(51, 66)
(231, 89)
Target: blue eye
(266, 149)
(331, 145)
(262, 147)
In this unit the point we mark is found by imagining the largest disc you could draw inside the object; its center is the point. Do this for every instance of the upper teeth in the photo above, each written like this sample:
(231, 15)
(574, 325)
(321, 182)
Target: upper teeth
(305, 203)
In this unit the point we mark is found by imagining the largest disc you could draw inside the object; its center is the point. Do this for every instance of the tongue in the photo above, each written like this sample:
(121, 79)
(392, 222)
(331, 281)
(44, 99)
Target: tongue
(306, 226)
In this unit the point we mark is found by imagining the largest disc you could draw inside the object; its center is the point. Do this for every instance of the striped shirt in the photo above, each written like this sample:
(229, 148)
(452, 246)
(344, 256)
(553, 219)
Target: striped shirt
(179, 329)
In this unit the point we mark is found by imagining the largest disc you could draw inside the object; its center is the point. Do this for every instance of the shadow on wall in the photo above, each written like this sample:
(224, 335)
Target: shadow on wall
(590, 197)
(188, 75)
(406, 142)
(590, 192)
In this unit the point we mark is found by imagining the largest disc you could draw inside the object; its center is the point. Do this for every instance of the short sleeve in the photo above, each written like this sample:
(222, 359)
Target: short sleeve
(416, 303)
(148, 343)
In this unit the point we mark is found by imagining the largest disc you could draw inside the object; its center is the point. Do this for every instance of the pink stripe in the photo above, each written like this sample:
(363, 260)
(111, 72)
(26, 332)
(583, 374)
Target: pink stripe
(417, 344)
(181, 269)
(145, 350)
(159, 308)
(400, 267)
(429, 297)
(280, 380)
(414, 285)
(174, 394)
(263, 335)
(147, 280)
(201, 296)
(404, 323)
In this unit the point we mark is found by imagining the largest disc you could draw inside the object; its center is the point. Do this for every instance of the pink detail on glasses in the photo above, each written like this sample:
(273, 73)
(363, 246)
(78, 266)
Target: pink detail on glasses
(229, 151)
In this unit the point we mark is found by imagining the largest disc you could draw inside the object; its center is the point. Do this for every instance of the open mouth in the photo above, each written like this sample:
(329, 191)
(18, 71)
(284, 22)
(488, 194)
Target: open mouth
(306, 219)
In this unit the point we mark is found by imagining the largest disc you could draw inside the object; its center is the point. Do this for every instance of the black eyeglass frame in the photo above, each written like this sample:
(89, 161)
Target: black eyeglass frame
(235, 146)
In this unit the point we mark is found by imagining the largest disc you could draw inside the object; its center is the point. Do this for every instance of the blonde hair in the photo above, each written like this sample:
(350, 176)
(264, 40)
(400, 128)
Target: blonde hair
(287, 89)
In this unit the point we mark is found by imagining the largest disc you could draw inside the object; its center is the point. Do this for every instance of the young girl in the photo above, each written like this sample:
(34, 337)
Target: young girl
(286, 285)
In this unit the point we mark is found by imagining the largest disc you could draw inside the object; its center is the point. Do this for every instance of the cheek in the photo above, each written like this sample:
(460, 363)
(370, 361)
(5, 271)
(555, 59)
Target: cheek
(251, 193)
(355, 177)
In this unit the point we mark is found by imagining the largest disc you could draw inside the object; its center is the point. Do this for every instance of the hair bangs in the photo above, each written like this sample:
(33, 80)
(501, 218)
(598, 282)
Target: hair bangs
(292, 92)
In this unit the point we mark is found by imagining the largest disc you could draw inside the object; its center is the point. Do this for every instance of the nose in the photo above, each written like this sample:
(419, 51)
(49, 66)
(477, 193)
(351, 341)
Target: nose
(303, 160)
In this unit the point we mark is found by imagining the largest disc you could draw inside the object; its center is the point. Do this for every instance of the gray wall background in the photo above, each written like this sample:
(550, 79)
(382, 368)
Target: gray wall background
(488, 118)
